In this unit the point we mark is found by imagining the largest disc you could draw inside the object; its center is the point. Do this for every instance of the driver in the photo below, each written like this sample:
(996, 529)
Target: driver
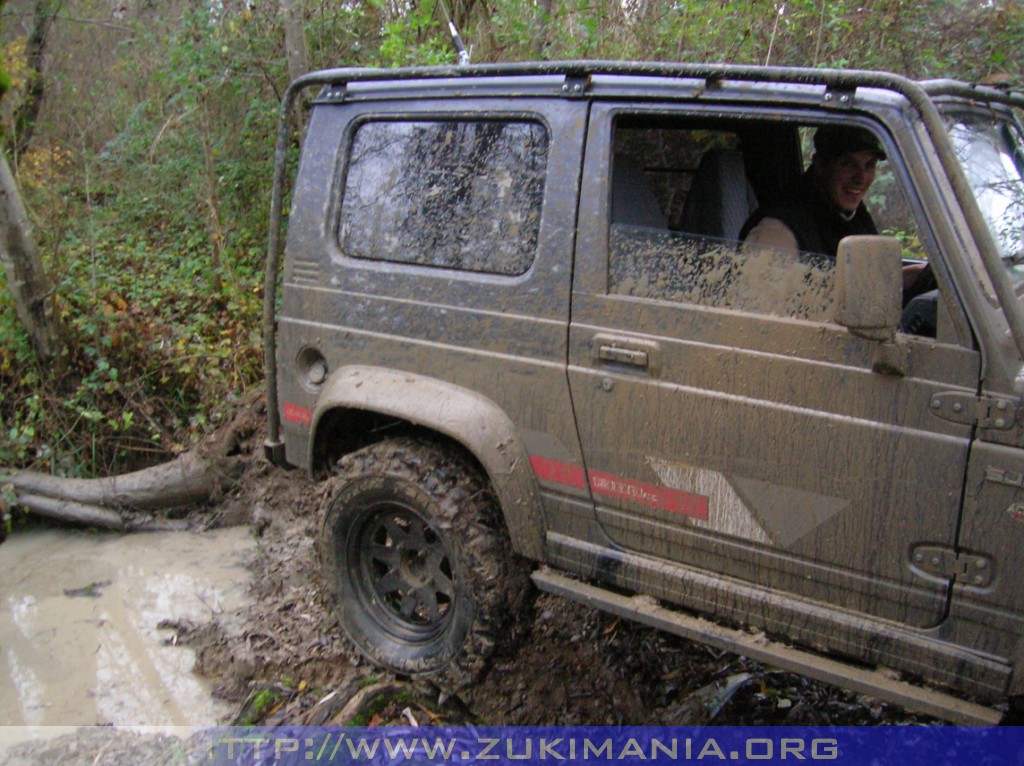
(827, 203)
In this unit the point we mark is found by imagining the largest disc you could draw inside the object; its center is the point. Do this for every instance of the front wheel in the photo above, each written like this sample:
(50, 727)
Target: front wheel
(422, 573)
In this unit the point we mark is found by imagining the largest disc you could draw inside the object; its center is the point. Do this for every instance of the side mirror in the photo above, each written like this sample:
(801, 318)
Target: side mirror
(869, 286)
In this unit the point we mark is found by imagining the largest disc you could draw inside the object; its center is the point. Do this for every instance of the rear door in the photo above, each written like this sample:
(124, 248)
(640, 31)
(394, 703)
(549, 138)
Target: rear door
(727, 423)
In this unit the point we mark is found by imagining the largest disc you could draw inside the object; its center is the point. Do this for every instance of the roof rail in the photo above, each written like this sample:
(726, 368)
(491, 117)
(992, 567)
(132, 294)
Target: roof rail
(833, 78)
(845, 78)
(973, 91)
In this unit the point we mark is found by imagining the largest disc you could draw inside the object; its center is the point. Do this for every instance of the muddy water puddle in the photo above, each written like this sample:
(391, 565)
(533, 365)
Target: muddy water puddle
(79, 616)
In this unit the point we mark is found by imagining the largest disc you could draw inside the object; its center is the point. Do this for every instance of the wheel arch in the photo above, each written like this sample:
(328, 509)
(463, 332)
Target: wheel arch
(359, 405)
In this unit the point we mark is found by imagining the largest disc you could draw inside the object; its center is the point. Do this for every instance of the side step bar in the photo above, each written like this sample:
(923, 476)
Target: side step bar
(646, 610)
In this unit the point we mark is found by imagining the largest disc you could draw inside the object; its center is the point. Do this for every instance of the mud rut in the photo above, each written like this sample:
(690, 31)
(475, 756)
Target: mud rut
(284, 662)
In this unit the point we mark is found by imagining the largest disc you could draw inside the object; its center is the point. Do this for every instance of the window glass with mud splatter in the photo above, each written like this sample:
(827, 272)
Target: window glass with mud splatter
(682, 193)
(454, 194)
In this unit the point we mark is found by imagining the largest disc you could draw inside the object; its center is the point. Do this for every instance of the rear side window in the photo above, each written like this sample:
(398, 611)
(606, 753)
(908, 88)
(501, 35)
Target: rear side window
(454, 194)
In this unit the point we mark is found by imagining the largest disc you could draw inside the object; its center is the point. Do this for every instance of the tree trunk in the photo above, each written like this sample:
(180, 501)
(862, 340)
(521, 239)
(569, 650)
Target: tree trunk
(295, 49)
(28, 110)
(540, 39)
(26, 278)
(296, 52)
(218, 236)
(123, 502)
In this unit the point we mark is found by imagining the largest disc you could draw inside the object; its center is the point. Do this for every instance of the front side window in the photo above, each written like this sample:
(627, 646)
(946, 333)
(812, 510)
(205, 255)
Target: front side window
(453, 194)
(688, 197)
(700, 180)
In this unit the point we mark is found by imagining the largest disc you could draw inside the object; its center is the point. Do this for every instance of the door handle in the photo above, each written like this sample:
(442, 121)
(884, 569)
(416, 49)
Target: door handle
(616, 351)
(634, 357)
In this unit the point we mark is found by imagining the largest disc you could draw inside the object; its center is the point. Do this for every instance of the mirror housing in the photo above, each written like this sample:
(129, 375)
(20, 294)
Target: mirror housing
(869, 286)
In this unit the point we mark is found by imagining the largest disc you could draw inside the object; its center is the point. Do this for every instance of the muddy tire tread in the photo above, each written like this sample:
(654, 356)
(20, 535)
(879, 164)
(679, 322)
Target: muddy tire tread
(468, 513)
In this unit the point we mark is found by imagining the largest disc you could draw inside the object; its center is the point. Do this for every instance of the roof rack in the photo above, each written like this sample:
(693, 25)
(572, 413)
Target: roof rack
(839, 78)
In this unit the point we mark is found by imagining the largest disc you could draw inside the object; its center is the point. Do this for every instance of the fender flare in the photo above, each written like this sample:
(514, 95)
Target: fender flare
(463, 415)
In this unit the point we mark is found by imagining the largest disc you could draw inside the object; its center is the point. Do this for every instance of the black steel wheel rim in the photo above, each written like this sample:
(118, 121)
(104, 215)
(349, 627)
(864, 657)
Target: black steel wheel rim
(404, 578)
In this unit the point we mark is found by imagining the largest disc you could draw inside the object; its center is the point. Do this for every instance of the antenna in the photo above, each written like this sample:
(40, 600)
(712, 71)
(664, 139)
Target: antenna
(456, 37)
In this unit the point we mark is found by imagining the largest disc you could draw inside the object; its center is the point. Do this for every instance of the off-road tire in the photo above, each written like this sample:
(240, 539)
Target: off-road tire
(418, 563)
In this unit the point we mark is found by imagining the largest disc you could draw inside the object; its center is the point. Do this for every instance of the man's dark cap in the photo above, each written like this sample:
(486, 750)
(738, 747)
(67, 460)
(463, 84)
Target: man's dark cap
(836, 140)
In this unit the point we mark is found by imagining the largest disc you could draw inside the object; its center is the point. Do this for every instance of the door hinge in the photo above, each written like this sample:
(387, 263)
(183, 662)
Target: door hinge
(984, 411)
(966, 568)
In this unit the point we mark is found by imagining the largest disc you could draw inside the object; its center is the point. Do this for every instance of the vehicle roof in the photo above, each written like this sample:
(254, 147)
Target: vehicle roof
(594, 78)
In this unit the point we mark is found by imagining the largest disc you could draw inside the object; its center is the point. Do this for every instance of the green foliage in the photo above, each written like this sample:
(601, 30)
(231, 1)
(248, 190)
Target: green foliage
(20, 414)
(966, 39)
(377, 705)
(161, 334)
(338, 34)
(258, 706)
(416, 38)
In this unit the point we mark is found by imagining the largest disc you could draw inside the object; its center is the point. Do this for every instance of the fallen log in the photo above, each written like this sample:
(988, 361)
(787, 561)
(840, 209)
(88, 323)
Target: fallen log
(94, 516)
(123, 502)
(136, 500)
(67, 510)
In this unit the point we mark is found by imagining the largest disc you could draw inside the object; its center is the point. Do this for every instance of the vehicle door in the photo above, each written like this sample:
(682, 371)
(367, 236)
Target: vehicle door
(987, 606)
(728, 423)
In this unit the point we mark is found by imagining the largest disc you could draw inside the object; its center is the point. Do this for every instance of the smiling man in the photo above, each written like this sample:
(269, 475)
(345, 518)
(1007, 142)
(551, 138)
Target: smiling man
(828, 202)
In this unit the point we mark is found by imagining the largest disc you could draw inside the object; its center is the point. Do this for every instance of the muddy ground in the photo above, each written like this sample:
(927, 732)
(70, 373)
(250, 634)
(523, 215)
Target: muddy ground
(284, 661)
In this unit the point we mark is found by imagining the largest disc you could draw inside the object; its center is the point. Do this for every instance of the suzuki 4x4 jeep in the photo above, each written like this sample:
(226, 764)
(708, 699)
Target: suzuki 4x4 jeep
(516, 325)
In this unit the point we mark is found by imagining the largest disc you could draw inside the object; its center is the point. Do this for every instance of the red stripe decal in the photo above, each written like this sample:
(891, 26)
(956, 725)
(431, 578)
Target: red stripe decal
(302, 416)
(558, 472)
(648, 494)
(664, 498)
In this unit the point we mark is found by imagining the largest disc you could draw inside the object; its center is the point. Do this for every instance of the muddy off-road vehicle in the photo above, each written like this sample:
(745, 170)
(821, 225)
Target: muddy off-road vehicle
(518, 331)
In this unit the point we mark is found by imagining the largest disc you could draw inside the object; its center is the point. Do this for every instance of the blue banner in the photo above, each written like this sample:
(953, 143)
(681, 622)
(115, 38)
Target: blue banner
(630, 746)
